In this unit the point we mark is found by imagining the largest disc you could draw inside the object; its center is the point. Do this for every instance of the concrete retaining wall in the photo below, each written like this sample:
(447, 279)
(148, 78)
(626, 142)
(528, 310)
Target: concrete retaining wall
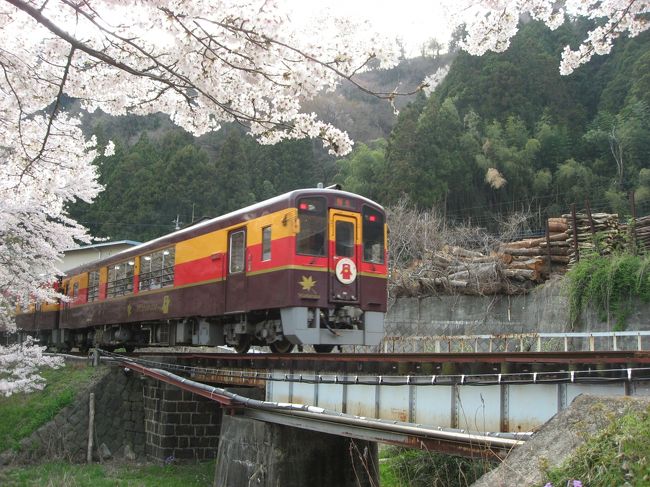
(119, 421)
(545, 309)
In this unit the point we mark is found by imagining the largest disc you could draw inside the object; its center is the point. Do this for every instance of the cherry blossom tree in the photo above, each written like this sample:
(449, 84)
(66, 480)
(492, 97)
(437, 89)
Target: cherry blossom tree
(20, 365)
(202, 62)
(492, 23)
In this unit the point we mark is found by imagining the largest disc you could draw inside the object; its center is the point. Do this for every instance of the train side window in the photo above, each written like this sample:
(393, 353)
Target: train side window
(157, 269)
(266, 243)
(237, 252)
(311, 239)
(120, 279)
(93, 286)
(75, 290)
(167, 273)
(372, 234)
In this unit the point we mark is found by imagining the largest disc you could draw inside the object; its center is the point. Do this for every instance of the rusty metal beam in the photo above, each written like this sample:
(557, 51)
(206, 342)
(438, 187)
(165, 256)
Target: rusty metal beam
(187, 386)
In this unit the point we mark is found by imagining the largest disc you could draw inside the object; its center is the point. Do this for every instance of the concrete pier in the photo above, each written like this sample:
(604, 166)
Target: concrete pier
(179, 425)
(267, 455)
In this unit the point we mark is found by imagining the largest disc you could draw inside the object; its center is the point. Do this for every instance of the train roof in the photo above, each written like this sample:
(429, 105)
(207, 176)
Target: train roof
(238, 216)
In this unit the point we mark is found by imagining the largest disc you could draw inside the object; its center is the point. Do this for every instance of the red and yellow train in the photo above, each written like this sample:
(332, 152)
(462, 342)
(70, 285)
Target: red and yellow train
(305, 268)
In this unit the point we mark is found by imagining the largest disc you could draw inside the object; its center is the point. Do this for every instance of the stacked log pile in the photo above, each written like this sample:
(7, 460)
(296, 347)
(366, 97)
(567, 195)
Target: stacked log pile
(458, 270)
(516, 266)
(551, 254)
(642, 233)
(598, 232)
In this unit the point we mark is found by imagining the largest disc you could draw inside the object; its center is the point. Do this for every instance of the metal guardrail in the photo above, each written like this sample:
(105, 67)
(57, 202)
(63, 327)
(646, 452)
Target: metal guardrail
(521, 342)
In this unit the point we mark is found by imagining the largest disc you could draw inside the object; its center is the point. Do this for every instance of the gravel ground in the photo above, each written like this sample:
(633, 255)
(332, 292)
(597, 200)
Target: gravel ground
(558, 438)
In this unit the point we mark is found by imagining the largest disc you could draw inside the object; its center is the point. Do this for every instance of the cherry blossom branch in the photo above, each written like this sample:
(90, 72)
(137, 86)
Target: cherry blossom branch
(55, 109)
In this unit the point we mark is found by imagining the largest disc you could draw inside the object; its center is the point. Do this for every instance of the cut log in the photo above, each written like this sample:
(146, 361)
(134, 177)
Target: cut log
(526, 251)
(501, 257)
(450, 282)
(479, 271)
(557, 226)
(558, 237)
(559, 243)
(522, 274)
(561, 259)
(536, 264)
(458, 251)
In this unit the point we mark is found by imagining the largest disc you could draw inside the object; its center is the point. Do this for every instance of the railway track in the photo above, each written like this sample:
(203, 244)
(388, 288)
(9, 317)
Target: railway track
(400, 369)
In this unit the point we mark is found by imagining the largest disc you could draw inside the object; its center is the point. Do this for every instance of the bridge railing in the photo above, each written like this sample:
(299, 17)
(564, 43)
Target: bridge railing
(519, 342)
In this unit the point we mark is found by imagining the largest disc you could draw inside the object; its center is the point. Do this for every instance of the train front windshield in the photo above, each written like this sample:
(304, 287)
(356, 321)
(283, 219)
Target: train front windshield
(373, 235)
(311, 239)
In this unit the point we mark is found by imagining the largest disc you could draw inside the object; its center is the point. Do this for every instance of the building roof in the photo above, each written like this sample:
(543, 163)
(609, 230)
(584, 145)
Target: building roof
(106, 244)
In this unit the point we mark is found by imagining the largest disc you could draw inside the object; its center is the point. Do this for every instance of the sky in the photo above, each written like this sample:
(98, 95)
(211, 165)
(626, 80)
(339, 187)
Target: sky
(414, 21)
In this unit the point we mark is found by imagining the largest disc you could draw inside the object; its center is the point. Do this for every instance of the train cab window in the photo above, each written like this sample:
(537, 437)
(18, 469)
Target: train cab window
(75, 290)
(344, 239)
(237, 252)
(266, 243)
(372, 230)
(157, 269)
(93, 286)
(312, 213)
(120, 279)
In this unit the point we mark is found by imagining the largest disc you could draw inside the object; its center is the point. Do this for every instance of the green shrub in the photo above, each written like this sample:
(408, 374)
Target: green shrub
(609, 284)
(619, 455)
(416, 468)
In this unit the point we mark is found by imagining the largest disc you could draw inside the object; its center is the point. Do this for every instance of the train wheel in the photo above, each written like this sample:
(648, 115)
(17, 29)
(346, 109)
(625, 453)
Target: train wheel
(243, 344)
(323, 348)
(281, 346)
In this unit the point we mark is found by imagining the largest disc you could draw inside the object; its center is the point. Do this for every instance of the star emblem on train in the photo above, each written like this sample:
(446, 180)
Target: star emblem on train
(307, 283)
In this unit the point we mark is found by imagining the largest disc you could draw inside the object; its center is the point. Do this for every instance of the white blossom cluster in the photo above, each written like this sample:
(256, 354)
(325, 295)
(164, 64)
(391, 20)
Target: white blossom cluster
(203, 62)
(430, 82)
(494, 23)
(20, 365)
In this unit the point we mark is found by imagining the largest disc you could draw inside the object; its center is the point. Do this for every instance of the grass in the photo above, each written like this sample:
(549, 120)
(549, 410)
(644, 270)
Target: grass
(22, 414)
(618, 455)
(60, 474)
(401, 467)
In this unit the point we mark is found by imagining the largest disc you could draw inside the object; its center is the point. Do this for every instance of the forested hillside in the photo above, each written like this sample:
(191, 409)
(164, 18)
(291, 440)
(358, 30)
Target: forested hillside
(505, 132)
(502, 133)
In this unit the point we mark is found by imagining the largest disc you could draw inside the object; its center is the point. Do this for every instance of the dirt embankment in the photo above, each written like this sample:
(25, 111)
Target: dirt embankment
(558, 438)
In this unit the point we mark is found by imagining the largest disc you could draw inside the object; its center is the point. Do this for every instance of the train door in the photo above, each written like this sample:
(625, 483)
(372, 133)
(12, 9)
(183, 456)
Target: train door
(65, 305)
(236, 272)
(344, 240)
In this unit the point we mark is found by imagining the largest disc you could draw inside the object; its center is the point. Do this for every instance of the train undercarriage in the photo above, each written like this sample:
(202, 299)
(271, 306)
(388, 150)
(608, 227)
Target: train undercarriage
(279, 329)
